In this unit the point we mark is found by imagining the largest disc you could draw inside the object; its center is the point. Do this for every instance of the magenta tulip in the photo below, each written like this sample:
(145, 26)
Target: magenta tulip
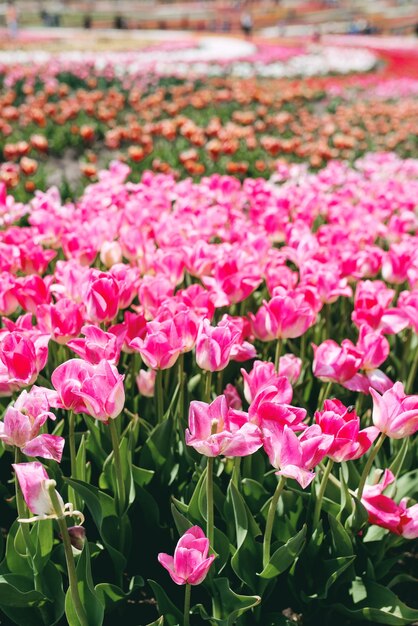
(191, 562)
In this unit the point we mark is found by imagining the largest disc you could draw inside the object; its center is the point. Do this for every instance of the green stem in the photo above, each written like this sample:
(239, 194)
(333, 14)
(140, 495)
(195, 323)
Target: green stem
(21, 509)
(324, 393)
(302, 354)
(359, 404)
(159, 395)
(208, 387)
(279, 346)
(318, 503)
(219, 381)
(327, 327)
(181, 378)
(236, 477)
(187, 594)
(69, 557)
(71, 441)
(412, 374)
(369, 463)
(118, 466)
(270, 519)
(209, 501)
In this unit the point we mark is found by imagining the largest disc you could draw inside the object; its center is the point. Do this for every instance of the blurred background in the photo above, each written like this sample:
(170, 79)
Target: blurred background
(266, 17)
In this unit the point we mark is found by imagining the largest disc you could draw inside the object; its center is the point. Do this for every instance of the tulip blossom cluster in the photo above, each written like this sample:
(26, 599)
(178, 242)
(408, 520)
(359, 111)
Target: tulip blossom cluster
(175, 343)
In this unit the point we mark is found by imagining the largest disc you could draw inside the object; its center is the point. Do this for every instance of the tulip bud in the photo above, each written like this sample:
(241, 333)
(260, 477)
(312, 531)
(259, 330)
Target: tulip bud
(77, 536)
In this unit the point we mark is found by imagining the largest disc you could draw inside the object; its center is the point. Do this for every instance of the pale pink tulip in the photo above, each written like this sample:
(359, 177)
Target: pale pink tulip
(62, 320)
(23, 421)
(214, 345)
(215, 430)
(99, 344)
(394, 413)
(93, 389)
(146, 382)
(161, 346)
(32, 479)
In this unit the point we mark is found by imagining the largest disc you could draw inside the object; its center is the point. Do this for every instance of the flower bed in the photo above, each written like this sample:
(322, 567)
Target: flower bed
(229, 362)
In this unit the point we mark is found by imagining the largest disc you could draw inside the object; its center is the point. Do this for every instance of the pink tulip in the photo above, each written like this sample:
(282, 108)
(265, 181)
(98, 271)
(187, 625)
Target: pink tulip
(102, 298)
(334, 363)
(233, 398)
(408, 303)
(287, 315)
(232, 282)
(62, 320)
(185, 321)
(22, 422)
(98, 344)
(8, 299)
(262, 375)
(127, 280)
(295, 456)
(161, 346)
(324, 279)
(133, 326)
(344, 425)
(373, 347)
(199, 300)
(191, 562)
(110, 253)
(215, 429)
(268, 408)
(394, 413)
(383, 511)
(146, 383)
(32, 479)
(372, 307)
(290, 366)
(153, 291)
(21, 359)
(93, 389)
(214, 345)
(31, 291)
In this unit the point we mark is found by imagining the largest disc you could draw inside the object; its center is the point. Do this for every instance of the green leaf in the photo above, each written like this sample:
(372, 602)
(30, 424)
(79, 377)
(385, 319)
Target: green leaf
(358, 518)
(16, 561)
(141, 476)
(42, 535)
(52, 587)
(157, 449)
(285, 556)
(340, 538)
(158, 622)
(90, 600)
(17, 591)
(232, 605)
(111, 595)
(103, 510)
(379, 605)
(397, 463)
(166, 607)
(194, 508)
(181, 522)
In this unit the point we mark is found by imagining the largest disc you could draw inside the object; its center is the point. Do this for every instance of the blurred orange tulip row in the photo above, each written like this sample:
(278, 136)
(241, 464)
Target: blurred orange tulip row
(226, 125)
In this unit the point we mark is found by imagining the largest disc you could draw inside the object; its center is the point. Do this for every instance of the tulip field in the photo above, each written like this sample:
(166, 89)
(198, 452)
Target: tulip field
(209, 338)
